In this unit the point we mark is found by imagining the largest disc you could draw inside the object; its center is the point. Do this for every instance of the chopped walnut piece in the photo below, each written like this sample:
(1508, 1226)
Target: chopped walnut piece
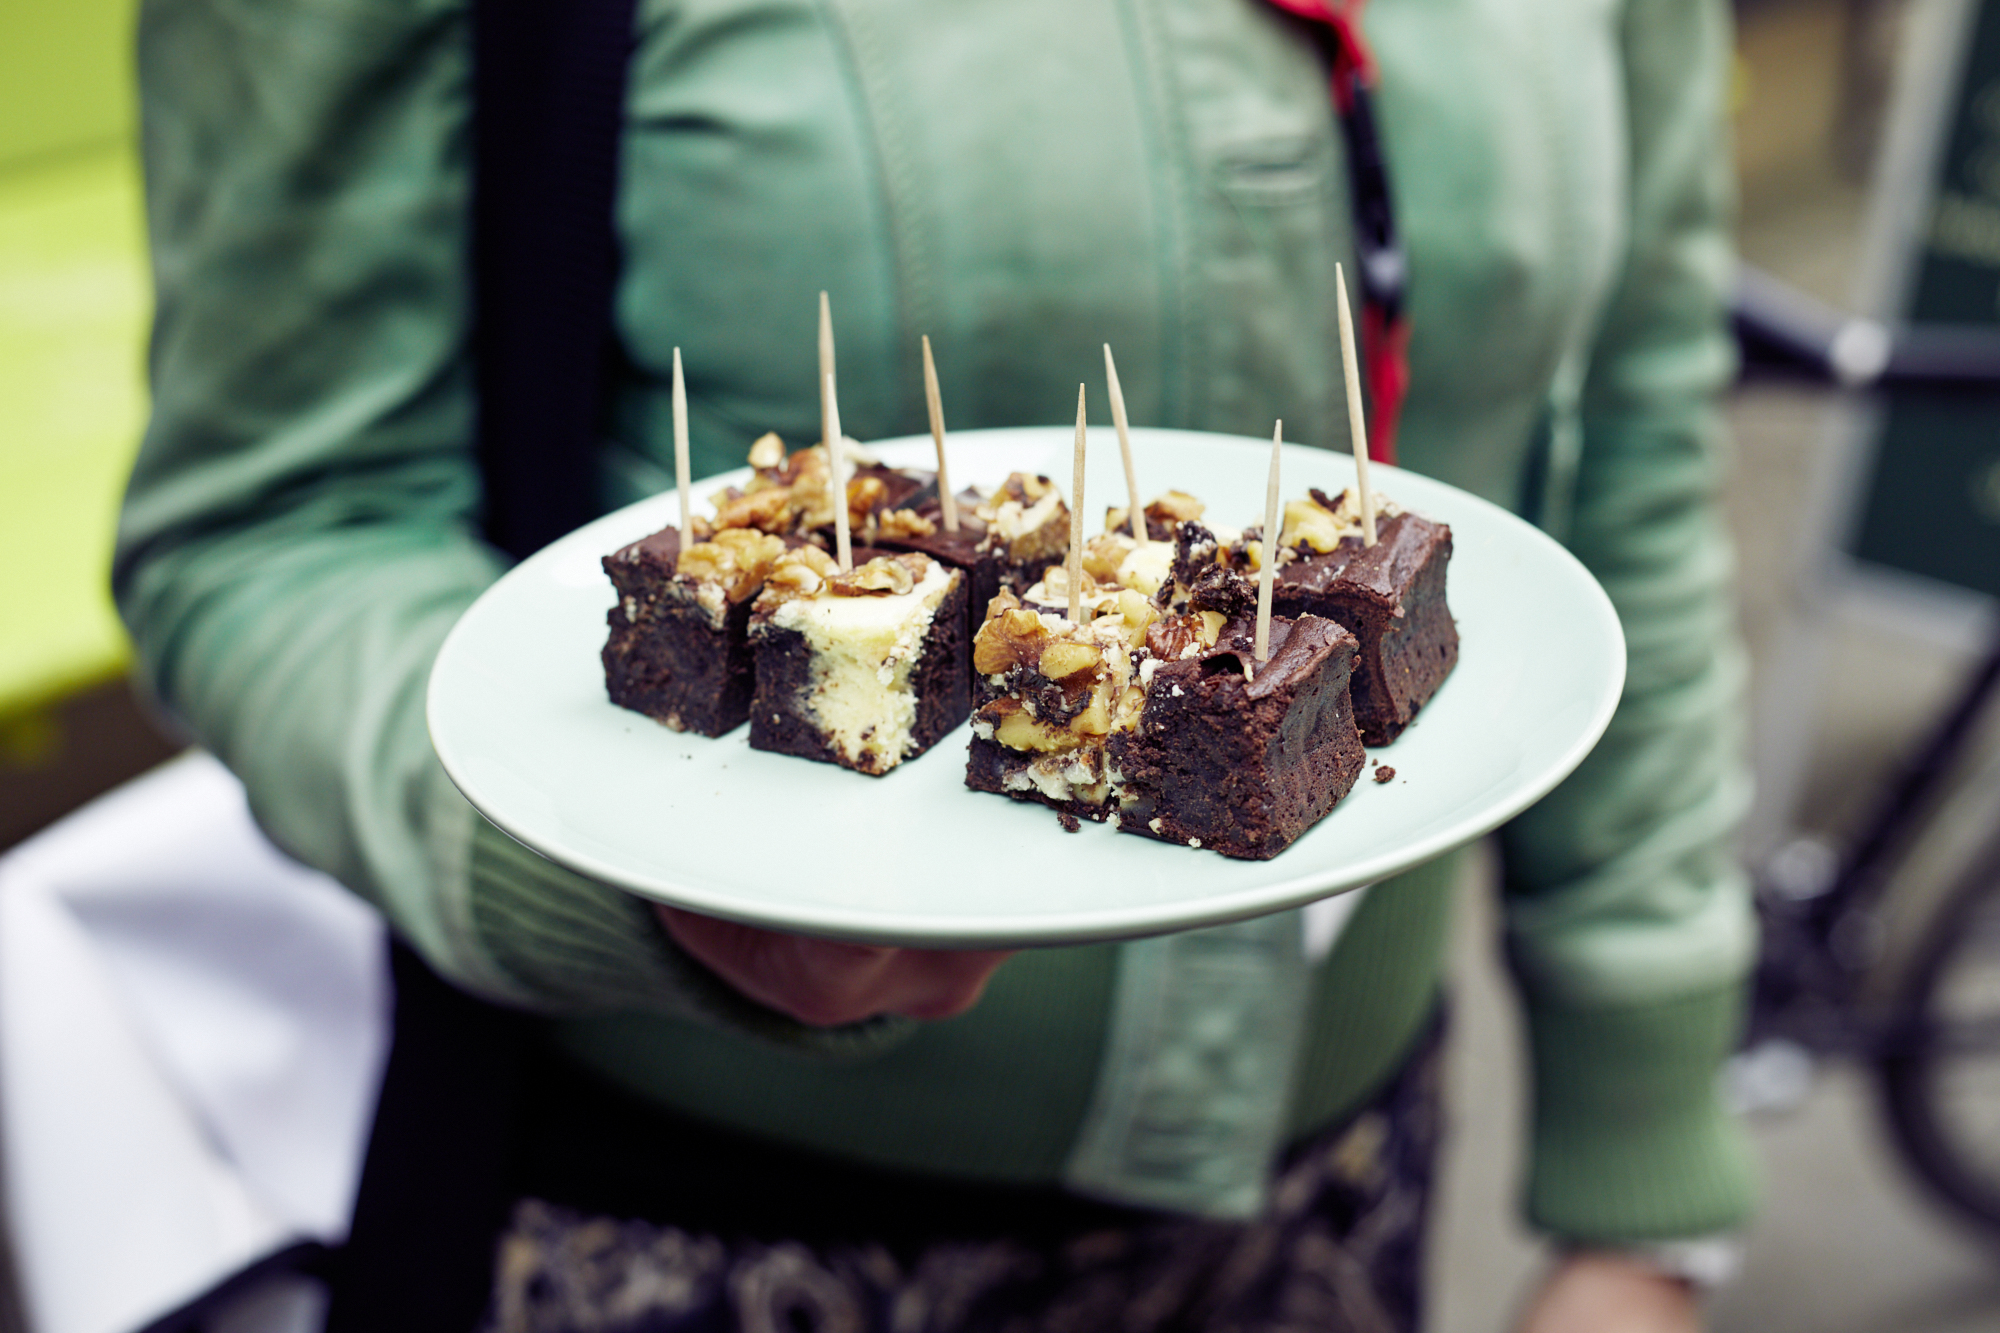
(864, 496)
(1055, 584)
(768, 453)
(800, 572)
(1102, 555)
(1173, 637)
(1017, 730)
(736, 558)
(905, 523)
(1028, 515)
(1013, 636)
(1164, 513)
(1319, 523)
(768, 510)
(1066, 657)
(1309, 524)
(1139, 613)
(884, 575)
(1027, 487)
(1168, 636)
(1094, 720)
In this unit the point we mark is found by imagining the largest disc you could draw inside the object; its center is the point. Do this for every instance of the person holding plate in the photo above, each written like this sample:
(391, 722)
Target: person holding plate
(690, 1124)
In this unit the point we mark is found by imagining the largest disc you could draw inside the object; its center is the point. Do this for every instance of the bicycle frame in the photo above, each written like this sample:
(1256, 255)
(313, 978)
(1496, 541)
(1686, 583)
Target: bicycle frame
(1817, 935)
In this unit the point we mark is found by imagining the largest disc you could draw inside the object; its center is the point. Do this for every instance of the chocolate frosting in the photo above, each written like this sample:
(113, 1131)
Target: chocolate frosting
(1380, 572)
(1298, 647)
(664, 545)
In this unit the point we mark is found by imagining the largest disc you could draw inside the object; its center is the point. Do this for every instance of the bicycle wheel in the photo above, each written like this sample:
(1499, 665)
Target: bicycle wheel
(1940, 1064)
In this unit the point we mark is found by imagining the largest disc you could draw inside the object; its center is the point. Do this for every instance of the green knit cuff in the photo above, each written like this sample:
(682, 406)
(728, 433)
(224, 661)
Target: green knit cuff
(1631, 1142)
(584, 947)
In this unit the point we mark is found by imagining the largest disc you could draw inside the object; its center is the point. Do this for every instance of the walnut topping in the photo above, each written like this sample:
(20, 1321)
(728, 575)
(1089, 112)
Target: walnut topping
(1055, 585)
(798, 573)
(1167, 637)
(1103, 555)
(736, 558)
(1138, 613)
(864, 497)
(1028, 516)
(1004, 600)
(1320, 522)
(1164, 513)
(905, 523)
(882, 576)
(1026, 487)
(1171, 638)
(1012, 636)
(766, 511)
(791, 494)
(1079, 689)
(786, 493)
(1066, 657)
(1014, 727)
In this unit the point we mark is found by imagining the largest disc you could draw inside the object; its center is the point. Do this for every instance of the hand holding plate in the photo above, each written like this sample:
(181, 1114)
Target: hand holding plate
(826, 983)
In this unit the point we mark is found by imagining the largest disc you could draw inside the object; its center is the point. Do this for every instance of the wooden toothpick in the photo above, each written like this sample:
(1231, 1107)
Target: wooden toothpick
(1357, 430)
(1074, 568)
(825, 365)
(1268, 567)
(836, 462)
(1139, 532)
(935, 401)
(682, 479)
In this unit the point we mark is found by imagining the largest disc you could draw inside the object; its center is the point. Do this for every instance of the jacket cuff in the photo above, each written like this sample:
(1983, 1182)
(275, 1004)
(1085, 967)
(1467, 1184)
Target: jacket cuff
(1631, 1142)
(582, 947)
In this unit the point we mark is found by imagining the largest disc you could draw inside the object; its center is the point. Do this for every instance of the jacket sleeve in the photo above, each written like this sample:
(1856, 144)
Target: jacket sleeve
(301, 528)
(1629, 924)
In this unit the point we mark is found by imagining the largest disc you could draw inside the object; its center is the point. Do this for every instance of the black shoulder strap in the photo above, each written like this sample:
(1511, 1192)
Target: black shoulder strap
(548, 91)
(548, 103)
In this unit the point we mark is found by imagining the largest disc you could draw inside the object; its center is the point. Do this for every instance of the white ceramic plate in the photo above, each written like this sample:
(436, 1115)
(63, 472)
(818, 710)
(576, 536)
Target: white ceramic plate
(519, 716)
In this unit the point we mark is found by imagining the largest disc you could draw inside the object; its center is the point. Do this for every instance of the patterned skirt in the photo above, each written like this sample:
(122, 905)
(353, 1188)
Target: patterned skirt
(1338, 1249)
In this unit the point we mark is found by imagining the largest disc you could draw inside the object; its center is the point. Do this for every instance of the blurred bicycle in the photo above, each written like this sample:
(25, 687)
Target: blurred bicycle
(1884, 947)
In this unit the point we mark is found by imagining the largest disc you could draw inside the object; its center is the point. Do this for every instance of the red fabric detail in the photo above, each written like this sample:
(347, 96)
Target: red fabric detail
(1385, 359)
(1353, 63)
(1385, 344)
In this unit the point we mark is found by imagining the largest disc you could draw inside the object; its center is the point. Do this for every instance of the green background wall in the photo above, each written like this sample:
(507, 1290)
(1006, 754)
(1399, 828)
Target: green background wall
(73, 311)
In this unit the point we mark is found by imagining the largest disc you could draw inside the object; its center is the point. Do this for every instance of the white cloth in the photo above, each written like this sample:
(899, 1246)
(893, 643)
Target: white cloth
(192, 1034)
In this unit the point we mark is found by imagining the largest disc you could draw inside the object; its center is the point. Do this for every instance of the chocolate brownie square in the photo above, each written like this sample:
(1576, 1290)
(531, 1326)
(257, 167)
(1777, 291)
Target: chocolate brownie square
(1392, 597)
(1049, 694)
(677, 650)
(1164, 725)
(1240, 756)
(864, 669)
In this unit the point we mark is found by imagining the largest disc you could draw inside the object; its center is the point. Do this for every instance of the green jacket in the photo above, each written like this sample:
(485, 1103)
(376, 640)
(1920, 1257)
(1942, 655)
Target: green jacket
(1022, 182)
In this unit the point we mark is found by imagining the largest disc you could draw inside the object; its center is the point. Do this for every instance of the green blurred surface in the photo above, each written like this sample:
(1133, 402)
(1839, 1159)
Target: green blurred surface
(73, 309)
(65, 77)
(73, 305)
